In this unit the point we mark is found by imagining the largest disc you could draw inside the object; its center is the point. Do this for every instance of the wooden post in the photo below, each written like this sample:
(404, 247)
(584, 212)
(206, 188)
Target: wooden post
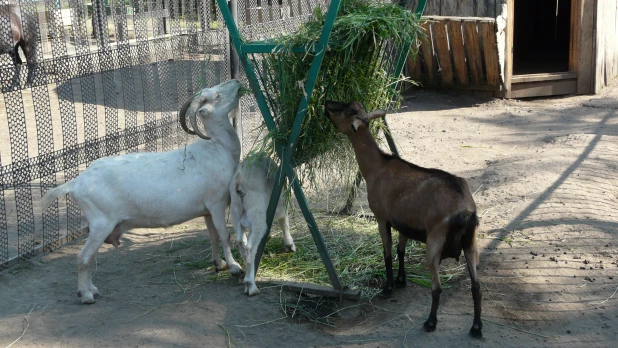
(586, 33)
(508, 55)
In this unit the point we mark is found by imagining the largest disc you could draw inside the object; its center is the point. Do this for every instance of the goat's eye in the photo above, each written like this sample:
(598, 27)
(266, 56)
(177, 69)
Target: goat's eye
(218, 96)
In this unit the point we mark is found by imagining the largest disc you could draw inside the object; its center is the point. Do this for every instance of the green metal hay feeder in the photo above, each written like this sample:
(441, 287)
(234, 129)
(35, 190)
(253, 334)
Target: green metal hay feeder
(259, 61)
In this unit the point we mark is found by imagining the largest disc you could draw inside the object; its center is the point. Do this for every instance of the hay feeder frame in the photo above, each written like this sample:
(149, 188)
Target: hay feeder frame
(285, 151)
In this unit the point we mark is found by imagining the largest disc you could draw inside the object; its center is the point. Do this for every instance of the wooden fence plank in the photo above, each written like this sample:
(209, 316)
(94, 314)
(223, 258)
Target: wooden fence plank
(486, 8)
(457, 8)
(444, 56)
(459, 53)
(474, 52)
(413, 64)
(490, 48)
(412, 4)
(433, 8)
(427, 54)
(452, 18)
(537, 89)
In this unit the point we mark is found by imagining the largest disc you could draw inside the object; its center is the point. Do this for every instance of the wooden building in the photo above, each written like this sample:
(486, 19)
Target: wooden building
(519, 48)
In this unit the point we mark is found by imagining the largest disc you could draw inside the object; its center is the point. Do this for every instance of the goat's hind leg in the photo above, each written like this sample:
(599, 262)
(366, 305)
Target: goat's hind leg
(15, 55)
(98, 232)
(258, 231)
(433, 258)
(288, 242)
(471, 254)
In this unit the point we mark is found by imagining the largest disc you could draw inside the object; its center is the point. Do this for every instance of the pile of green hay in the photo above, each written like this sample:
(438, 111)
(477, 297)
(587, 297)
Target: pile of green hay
(365, 43)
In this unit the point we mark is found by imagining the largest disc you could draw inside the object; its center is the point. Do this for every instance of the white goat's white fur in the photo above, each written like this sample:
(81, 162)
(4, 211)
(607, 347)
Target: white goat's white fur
(250, 192)
(148, 190)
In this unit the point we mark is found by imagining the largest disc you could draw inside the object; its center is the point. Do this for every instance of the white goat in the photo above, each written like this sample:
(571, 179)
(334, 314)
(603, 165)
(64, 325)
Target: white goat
(250, 192)
(147, 190)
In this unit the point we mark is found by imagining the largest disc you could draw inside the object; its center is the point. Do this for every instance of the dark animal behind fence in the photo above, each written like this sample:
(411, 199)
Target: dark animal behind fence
(18, 36)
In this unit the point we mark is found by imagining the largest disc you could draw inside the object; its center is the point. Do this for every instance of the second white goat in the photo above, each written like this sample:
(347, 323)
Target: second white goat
(250, 192)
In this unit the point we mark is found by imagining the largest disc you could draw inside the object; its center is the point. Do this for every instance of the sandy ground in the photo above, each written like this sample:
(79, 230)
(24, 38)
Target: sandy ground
(543, 173)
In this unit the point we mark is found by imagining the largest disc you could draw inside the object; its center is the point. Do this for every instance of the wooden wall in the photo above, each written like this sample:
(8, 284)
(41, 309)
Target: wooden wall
(460, 53)
(463, 8)
(606, 58)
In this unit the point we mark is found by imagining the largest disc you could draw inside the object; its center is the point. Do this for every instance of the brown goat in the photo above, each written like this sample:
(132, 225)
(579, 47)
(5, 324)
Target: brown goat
(428, 205)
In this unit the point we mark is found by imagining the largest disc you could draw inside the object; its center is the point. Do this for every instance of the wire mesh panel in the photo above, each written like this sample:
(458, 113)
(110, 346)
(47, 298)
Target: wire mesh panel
(97, 78)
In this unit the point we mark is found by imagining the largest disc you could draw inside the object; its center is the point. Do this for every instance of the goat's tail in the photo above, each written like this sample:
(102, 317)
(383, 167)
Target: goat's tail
(54, 193)
(469, 222)
(461, 233)
(237, 183)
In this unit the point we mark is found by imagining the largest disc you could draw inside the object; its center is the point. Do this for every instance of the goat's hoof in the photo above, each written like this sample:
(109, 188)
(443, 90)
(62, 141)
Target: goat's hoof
(96, 295)
(219, 265)
(430, 326)
(386, 293)
(79, 293)
(289, 248)
(88, 299)
(476, 331)
(344, 211)
(236, 270)
(251, 289)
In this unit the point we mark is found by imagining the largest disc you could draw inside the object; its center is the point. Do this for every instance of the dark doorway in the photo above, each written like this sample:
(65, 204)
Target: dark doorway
(541, 36)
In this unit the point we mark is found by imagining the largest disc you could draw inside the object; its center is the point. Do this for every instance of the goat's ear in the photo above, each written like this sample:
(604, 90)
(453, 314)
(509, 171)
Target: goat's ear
(376, 114)
(333, 106)
(356, 124)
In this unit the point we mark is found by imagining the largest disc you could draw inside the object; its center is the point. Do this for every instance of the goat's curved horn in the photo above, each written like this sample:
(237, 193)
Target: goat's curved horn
(182, 117)
(376, 114)
(195, 106)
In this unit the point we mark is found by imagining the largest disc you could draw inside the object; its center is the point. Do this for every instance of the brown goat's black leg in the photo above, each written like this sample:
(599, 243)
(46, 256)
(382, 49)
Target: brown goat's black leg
(15, 56)
(434, 251)
(387, 244)
(400, 282)
(472, 260)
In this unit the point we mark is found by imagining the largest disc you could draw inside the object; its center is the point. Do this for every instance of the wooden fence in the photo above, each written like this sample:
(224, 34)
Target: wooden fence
(460, 52)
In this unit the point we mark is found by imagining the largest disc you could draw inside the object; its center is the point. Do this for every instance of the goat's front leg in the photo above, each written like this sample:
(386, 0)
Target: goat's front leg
(400, 282)
(387, 243)
(214, 244)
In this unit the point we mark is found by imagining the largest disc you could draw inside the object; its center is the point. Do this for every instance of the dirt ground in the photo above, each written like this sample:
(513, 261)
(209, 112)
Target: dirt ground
(543, 173)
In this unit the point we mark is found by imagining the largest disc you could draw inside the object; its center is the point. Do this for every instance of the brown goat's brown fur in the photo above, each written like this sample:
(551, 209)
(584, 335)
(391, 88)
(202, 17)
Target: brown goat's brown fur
(428, 205)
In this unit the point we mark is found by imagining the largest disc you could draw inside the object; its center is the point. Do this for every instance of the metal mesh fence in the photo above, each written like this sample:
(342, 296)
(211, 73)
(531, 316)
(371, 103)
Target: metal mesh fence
(98, 78)
(101, 78)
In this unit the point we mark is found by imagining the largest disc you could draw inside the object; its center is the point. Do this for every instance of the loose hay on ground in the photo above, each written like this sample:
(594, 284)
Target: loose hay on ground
(354, 246)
